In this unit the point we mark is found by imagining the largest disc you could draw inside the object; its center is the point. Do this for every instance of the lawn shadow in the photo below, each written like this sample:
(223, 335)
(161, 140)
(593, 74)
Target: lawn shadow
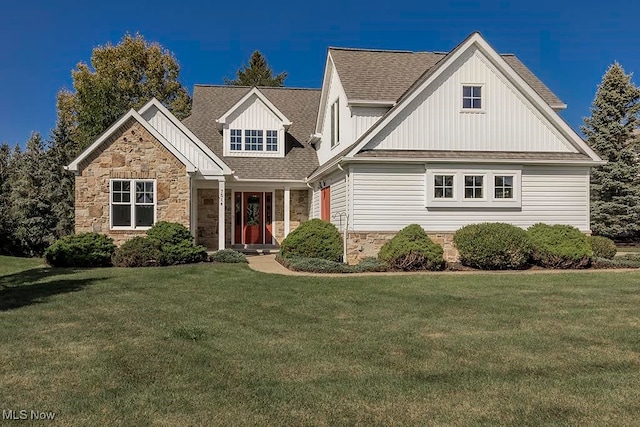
(22, 289)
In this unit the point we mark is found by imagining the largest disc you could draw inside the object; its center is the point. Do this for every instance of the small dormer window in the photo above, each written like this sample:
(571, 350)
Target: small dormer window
(253, 140)
(472, 97)
(272, 140)
(236, 139)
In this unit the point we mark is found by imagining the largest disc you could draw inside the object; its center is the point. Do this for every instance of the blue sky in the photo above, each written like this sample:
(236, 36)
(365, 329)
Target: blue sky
(568, 44)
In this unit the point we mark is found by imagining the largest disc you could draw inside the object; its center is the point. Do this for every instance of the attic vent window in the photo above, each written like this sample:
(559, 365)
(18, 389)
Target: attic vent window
(335, 123)
(472, 97)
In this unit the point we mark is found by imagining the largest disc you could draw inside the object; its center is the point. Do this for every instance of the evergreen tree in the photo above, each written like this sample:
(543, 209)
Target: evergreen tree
(7, 241)
(615, 189)
(30, 204)
(121, 77)
(61, 183)
(257, 73)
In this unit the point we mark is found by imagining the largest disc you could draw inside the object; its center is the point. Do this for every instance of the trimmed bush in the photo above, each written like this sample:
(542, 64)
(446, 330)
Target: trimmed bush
(184, 252)
(170, 233)
(411, 249)
(319, 265)
(81, 250)
(313, 239)
(139, 252)
(559, 246)
(602, 247)
(228, 256)
(623, 261)
(493, 246)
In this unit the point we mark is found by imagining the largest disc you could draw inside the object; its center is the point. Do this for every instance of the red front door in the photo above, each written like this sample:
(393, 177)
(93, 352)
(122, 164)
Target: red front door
(252, 218)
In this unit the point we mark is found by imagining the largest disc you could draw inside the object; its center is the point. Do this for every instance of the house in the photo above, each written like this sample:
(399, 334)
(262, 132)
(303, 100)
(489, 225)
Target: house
(392, 138)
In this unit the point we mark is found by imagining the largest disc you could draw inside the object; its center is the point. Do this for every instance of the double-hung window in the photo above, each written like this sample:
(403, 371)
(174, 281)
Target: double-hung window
(272, 140)
(236, 139)
(253, 140)
(133, 203)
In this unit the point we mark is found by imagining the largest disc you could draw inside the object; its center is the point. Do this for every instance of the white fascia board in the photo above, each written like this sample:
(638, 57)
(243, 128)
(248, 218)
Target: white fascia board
(328, 70)
(475, 39)
(370, 103)
(185, 130)
(73, 166)
(468, 161)
(255, 91)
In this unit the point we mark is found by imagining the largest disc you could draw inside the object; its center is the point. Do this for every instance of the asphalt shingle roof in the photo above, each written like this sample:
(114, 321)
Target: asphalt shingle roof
(298, 105)
(384, 75)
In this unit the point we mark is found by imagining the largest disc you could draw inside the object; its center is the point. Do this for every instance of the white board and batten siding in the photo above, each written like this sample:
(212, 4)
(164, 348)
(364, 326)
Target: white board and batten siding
(507, 121)
(253, 114)
(178, 139)
(390, 197)
(364, 117)
(334, 92)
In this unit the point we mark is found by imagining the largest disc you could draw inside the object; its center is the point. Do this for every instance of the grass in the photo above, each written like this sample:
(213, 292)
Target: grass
(221, 344)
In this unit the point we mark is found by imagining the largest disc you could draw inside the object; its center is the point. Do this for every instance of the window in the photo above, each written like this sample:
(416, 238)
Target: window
(503, 186)
(236, 139)
(443, 186)
(335, 123)
(473, 186)
(472, 97)
(478, 187)
(253, 140)
(272, 140)
(132, 203)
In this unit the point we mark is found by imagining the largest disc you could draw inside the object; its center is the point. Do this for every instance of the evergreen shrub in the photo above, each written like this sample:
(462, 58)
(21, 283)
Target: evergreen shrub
(412, 249)
(559, 246)
(493, 246)
(313, 239)
(81, 250)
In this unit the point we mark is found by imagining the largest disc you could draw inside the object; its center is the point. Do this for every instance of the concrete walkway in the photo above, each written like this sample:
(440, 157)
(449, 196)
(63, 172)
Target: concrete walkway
(268, 264)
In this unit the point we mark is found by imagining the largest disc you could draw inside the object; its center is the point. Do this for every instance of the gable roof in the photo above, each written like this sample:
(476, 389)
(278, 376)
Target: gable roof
(254, 92)
(300, 106)
(475, 39)
(385, 75)
(107, 137)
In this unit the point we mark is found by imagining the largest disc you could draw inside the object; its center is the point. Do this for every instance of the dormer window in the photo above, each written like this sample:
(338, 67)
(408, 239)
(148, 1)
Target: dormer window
(253, 140)
(272, 140)
(236, 139)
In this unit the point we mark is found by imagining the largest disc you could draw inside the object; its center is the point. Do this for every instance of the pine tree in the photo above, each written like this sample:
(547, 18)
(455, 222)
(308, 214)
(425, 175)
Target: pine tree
(30, 204)
(615, 189)
(7, 241)
(257, 73)
(61, 183)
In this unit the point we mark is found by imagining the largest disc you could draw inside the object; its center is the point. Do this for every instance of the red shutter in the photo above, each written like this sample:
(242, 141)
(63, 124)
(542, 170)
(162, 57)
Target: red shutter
(325, 204)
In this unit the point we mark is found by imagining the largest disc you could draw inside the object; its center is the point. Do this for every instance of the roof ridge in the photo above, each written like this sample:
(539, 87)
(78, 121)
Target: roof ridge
(259, 87)
(364, 49)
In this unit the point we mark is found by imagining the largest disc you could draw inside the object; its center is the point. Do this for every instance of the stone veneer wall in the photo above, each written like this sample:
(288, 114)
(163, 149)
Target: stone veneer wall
(362, 244)
(298, 211)
(131, 153)
(207, 229)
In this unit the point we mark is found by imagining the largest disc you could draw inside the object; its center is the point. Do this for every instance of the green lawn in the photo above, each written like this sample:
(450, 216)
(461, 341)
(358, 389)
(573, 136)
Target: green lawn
(222, 344)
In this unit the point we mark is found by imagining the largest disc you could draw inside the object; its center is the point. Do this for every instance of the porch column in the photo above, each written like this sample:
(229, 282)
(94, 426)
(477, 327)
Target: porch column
(221, 216)
(193, 206)
(287, 208)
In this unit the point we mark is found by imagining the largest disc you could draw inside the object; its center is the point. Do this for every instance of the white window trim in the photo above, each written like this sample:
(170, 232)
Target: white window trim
(334, 130)
(459, 201)
(253, 153)
(483, 98)
(132, 189)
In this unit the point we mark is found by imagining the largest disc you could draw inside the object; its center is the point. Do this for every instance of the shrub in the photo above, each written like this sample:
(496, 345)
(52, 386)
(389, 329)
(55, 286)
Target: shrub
(602, 247)
(559, 246)
(81, 250)
(624, 261)
(493, 246)
(139, 252)
(411, 249)
(313, 239)
(319, 265)
(170, 233)
(228, 256)
(184, 252)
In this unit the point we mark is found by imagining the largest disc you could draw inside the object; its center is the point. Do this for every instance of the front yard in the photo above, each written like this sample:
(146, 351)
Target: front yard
(221, 344)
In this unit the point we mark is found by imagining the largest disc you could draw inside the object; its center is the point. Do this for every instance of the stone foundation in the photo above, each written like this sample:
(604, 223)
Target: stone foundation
(363, 244)
(131, 153)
